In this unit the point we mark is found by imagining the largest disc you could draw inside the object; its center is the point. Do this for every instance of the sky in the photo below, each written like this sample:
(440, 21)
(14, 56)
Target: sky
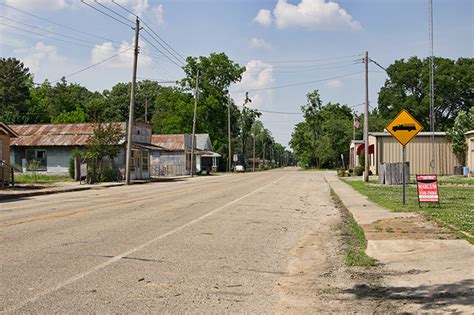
(290, 47)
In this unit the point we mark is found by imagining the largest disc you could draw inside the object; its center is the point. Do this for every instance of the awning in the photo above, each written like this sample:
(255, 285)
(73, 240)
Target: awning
(147, 146)
(360, 149)
(206, 153)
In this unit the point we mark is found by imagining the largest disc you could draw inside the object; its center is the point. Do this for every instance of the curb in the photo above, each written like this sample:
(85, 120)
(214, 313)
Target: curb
(51, 192)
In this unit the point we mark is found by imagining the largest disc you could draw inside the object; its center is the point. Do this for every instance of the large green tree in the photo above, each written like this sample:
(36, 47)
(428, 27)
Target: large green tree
(408, 88)
(324, 134)
(216, 73)
(15, 84)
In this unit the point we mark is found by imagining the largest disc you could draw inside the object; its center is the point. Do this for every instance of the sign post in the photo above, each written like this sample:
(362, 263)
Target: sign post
(404, 127)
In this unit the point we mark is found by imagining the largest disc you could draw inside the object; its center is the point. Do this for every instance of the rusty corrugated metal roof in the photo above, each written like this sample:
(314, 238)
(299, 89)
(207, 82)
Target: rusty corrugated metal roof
(173, 142)
(54, 134)
(7, 130)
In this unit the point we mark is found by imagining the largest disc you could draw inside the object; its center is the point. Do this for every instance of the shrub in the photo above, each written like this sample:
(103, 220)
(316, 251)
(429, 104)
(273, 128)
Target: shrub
(358, 170)
(108, 175)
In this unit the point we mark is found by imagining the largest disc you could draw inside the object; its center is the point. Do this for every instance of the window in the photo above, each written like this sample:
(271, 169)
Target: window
(145, 161)
(36, 160)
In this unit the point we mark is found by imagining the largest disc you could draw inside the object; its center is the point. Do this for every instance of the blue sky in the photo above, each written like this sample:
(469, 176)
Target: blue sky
(282, 42)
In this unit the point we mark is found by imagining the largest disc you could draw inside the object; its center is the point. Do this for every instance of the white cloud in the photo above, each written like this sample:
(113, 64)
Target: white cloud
(41, 56)
(107, 50)
(256, 43)
(51, 5)
(333, 84)
(264, 17)
(258, 75)
(312, 15)
(158, 14)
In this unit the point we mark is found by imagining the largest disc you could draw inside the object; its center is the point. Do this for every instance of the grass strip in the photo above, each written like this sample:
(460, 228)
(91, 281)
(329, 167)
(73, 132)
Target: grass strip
(354, 237)
(40, 178)
(456, 211)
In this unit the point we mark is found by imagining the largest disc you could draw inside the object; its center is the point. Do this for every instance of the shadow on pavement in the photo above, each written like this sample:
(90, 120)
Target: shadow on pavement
(430, 297)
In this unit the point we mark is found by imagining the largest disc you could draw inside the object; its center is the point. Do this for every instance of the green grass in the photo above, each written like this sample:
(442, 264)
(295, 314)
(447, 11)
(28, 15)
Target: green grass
(40, 178)
(456, 180)
(356, 243)
(456, 210)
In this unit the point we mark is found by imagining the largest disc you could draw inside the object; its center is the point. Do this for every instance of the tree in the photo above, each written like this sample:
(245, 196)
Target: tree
(15, 84)
(247, 119)
(463, 123)
(103, 143)
(408, 88)
(324, 135)
(216, 73)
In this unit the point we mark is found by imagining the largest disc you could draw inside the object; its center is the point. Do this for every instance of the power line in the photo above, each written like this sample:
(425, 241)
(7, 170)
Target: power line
(51, 32)
(157, 49)
(300, 66)
(45, 36)
(376, 63)
(93, 65)
(106, 14)
(159, 37)
(309, 70)
(300, 83)
(151, 35)
(114, 12)
(58, 24)
(313, 60)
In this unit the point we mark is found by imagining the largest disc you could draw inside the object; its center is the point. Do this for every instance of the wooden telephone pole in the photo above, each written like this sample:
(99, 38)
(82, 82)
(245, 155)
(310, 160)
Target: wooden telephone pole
(366, 119)
(229, 166)
(132, 105)
(193, 141)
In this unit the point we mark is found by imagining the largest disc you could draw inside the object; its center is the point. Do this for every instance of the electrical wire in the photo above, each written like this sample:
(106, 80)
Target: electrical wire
(58, 24)
(51, 32)
(48, 37)
(106, 14)
(159, 43)
(159, 37)
(93, 65)
(297, 84)
(312, 60)
(110, 10)
(157, 49)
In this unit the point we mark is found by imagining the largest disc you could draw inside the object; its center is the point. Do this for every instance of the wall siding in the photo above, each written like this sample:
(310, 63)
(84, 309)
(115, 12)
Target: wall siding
(389, 150)
(5, 148)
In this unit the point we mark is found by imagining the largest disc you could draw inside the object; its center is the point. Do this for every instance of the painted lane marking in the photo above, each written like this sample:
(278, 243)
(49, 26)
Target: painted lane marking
(133, 250)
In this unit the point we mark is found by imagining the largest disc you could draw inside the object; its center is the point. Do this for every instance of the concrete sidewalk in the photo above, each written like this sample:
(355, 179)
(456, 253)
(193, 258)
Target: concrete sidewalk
(29, 190)
(425, 264)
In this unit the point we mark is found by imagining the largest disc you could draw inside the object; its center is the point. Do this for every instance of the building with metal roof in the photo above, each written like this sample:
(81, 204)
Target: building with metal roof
(51, 147)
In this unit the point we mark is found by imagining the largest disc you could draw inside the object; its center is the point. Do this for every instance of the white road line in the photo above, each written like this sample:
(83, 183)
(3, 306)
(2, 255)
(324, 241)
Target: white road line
(131, 251)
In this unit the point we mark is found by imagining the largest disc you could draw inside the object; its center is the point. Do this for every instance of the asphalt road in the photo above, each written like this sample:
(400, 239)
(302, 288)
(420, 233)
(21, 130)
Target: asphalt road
(210, 244)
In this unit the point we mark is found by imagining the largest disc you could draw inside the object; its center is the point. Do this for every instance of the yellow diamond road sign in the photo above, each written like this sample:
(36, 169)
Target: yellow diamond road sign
(404, 127)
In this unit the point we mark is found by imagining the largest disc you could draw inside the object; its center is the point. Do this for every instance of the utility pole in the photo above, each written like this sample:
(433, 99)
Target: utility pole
(132, 105)
(229, 166)
(366, 119)
(193, 144)
(146, 110)
(253, 166)
(264, 155)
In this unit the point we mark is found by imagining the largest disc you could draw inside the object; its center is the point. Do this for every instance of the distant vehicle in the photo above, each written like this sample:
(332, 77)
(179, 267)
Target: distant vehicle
(407, 127)
(239, 168)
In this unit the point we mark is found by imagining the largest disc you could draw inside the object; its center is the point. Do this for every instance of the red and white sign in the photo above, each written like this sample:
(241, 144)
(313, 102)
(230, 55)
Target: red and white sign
(427, 188)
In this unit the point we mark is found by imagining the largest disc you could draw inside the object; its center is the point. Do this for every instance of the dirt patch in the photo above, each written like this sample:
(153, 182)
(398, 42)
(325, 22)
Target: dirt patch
(318, 280)
(413, 228)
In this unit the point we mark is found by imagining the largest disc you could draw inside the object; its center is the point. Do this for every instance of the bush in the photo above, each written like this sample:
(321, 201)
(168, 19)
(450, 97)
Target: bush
(71, 167)
(108, 175)
(341, 172)
(358, 170)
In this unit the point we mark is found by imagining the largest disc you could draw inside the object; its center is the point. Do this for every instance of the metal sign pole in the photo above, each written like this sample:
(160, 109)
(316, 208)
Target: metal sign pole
(404, 157)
